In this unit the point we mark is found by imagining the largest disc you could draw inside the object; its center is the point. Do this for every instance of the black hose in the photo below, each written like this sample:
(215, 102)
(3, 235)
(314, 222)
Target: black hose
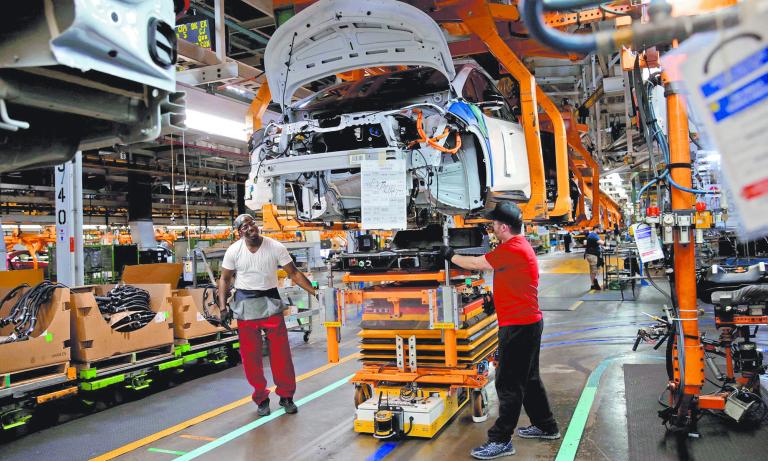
(531, 11)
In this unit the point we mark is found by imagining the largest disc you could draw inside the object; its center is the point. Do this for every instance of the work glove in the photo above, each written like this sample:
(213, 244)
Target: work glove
(447, 253)
(226, 318)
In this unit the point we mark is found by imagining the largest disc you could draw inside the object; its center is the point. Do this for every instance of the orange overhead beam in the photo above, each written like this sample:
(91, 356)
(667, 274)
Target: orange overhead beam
(562, 206)
(586, 16)
(580, 213)
(477, 17)
(504, 12)
(574, 140)
(257, 109)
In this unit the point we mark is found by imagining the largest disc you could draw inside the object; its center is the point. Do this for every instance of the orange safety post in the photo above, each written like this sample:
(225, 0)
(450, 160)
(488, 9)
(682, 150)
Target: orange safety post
(685, 257)
(477, 17)
(451, 359)
(333, 344)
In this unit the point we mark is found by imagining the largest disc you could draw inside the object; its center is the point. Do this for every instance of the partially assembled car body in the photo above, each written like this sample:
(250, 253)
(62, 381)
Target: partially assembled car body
(84, 74)
(462, 143)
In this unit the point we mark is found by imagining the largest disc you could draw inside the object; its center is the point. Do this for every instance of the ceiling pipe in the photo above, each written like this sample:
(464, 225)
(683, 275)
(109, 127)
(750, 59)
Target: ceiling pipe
(663, 29)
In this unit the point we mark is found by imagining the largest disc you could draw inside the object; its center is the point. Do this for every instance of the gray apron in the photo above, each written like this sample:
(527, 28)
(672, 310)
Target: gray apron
(257, 304)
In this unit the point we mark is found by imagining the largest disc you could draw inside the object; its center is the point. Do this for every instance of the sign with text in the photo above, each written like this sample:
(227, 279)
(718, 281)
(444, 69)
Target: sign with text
(648, 245)
(195, 32)
(384, 194)
(726, 74)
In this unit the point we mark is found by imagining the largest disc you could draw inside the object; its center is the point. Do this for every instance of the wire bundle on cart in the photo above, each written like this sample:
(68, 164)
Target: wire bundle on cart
(211, 298)
(24, 313)
(126, 308)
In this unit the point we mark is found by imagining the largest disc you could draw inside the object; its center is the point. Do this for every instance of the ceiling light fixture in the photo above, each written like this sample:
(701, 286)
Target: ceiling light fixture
(212, 124)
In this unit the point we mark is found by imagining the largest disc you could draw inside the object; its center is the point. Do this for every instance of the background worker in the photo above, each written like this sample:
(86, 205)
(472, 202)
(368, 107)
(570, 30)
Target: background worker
(515, 295)
(567, 240)
(592, 254)
(253, 261)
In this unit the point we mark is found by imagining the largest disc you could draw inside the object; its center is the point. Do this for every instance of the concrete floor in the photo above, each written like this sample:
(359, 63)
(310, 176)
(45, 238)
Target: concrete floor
(578, 336)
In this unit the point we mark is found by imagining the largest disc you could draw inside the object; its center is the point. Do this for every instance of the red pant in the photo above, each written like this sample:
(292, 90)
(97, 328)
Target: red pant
(279, 356)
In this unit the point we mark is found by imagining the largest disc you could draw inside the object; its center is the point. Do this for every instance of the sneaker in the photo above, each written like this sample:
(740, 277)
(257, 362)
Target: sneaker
(533, 432)
(287, 403)
(492, 450)
(264, 407)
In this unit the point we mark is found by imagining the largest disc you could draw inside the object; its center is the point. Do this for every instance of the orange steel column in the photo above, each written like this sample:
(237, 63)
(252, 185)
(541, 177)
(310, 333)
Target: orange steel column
(477, 17)
(685, 258)
(451, 359)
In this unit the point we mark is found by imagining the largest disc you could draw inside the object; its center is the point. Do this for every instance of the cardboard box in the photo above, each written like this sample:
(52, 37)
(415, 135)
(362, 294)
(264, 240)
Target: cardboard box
(92, 337)
(188, 320)
(49, 344)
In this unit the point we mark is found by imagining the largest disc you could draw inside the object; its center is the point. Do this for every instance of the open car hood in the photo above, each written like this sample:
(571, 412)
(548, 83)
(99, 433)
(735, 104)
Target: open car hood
(334, 36)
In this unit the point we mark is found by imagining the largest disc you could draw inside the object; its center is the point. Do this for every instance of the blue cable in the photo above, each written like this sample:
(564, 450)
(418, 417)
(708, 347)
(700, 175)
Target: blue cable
(661, 140)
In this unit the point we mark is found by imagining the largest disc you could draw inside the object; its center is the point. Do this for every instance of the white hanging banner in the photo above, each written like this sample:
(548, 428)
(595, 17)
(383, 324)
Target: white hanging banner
(648, 245)
(726, 74)
(384, 194)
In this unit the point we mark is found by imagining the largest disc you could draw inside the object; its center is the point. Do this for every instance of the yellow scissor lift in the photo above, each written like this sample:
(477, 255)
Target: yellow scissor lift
(427, 342)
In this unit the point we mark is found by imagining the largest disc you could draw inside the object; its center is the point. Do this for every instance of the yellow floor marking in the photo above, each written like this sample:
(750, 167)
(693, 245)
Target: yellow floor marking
(208, 415)
(575, 305)
(197, 437)
(564, 266)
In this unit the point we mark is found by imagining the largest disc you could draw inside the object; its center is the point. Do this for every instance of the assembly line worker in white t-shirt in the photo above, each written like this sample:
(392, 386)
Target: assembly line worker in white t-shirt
(252, 262)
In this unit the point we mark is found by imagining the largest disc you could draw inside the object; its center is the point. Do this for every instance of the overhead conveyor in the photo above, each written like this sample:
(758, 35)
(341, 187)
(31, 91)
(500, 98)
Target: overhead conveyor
(481, 20)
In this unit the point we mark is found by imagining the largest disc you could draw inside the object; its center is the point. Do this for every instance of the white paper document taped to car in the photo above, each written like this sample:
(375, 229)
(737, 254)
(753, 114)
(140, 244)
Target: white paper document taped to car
(648, 245)
(726, 74)
(384, 194)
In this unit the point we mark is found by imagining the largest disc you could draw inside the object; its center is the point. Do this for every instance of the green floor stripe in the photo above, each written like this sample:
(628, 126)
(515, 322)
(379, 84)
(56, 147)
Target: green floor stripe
(169, 452)
(572, 437)
(578, 422)
(259, 422)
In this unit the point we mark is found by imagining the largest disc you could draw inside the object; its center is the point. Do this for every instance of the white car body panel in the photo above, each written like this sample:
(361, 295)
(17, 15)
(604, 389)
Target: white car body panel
(334, 36)
(510, 170)
(108, 36)
(86, 74)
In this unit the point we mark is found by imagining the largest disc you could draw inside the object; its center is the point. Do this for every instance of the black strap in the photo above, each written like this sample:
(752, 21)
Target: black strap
(679, 165)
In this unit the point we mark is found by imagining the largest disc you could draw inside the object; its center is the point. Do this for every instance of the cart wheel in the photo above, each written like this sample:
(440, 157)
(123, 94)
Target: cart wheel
(479, 405)
(363, 392)
(306, 336)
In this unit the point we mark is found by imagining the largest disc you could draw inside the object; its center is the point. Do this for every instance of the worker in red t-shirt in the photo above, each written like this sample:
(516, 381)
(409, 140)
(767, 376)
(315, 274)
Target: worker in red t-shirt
(515, 287)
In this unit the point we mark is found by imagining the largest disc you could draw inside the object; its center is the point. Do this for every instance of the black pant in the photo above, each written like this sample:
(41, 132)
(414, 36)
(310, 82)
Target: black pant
(518, 382)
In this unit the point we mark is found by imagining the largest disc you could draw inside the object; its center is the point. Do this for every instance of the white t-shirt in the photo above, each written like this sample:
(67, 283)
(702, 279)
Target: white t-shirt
(256, 271)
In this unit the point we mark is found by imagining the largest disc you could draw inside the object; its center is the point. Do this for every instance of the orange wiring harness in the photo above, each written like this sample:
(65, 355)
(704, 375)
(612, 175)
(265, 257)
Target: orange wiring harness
(433, 141)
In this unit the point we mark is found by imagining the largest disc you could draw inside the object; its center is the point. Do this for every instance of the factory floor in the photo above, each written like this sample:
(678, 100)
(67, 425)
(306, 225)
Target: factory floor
(211, 417)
